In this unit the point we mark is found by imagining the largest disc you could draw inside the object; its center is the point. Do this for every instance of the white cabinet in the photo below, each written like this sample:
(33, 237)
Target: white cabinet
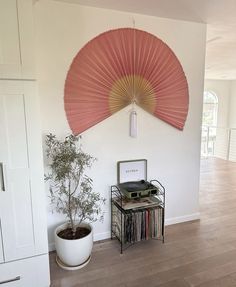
(29, 272)
(16, 39)
(1, 249)
(23, 231)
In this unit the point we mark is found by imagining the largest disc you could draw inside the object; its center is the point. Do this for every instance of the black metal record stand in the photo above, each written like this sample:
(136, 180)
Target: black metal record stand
(131, 216)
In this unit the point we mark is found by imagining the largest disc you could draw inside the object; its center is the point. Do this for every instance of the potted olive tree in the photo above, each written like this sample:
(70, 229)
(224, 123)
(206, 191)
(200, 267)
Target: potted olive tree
(72, 195)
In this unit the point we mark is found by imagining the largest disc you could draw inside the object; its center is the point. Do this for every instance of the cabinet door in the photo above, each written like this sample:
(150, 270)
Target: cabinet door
(10, 59)
(19, 209)
(16, 39)
(29, 272)
(1, 249)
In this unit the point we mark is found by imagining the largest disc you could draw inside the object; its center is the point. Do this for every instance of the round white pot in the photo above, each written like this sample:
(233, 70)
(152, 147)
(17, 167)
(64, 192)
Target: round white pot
(73, 254)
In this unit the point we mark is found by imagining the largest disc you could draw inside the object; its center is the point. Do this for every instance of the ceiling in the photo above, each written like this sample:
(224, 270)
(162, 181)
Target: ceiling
(219, 15)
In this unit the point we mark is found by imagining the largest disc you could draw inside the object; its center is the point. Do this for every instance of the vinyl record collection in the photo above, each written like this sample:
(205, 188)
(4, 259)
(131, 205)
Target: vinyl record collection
(136, 225)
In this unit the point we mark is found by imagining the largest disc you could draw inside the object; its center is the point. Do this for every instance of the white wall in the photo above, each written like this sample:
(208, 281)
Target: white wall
(232, 122)
(232, 107)
(173, 156)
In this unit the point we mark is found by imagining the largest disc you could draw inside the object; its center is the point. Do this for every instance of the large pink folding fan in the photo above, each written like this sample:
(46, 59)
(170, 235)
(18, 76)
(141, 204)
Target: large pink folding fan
(121, 67)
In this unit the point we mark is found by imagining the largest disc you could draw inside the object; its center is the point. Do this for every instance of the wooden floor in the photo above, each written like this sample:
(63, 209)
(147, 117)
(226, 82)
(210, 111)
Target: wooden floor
(200, 253)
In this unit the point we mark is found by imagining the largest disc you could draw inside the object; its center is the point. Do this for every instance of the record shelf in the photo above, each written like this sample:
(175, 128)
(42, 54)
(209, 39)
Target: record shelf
(134, 220)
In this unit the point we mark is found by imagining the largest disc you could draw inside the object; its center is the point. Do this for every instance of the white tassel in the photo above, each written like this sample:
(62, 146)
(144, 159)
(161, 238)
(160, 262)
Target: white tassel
(133, 124)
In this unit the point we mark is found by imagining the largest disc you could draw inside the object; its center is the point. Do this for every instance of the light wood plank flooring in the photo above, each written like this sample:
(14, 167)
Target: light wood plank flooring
(199, 253)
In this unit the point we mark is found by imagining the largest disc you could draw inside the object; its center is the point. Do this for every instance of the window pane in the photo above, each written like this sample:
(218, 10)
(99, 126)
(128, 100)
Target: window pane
(210, 107)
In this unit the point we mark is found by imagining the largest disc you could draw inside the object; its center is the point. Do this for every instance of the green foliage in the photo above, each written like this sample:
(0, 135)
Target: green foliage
(70, 189)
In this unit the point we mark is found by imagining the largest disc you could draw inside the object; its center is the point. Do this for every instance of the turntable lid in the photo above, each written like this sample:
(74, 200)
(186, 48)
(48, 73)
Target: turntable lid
(131, 170)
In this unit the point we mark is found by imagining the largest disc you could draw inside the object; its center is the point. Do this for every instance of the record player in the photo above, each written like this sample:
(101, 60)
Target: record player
(132, 179)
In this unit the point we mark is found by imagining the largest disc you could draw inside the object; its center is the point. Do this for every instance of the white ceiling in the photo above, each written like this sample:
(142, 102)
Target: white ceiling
(220, 15)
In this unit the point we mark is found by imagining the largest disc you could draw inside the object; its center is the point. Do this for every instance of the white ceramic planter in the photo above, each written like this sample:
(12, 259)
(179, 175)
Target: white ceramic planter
(73, 254)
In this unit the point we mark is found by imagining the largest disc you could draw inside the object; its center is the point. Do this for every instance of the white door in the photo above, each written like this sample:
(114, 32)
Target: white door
(16, 39)
(10, 59)
(1, 249)
(17, 199)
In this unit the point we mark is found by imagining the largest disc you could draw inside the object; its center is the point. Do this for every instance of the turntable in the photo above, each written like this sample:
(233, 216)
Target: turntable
(137, 189)
(132, 179)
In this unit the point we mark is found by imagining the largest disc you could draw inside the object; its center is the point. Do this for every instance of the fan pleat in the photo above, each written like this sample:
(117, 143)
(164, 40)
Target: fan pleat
(120, 67)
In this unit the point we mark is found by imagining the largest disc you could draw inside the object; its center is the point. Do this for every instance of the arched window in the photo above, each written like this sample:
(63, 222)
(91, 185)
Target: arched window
(210, 109)
(209, 123)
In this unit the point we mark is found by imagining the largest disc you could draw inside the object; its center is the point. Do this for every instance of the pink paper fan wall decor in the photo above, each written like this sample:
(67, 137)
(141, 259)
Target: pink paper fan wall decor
(121, 67)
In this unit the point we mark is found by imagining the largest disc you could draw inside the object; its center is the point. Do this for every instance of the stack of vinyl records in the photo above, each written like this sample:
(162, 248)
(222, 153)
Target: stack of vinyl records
(136, 225)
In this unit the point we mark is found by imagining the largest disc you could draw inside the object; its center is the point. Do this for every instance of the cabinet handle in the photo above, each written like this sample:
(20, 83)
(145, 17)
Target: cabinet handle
(2, 176)
(10, 280)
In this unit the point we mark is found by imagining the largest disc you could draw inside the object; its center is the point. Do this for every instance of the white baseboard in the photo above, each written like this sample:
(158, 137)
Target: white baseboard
(101, 236)
(51, 246)
(184, 218)
(169, 221)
